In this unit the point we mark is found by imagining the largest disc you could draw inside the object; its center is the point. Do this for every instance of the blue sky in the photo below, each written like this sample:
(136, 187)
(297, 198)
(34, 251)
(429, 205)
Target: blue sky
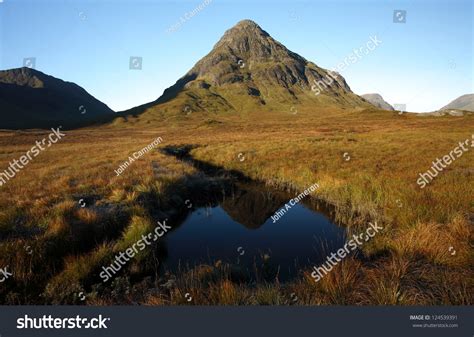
(423, 63)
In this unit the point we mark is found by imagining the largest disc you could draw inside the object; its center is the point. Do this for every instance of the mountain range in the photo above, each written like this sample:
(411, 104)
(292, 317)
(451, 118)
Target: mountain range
(247, 71)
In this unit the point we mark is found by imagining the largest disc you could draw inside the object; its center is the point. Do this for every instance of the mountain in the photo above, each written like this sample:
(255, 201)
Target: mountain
(464, 102)
(31, 99)
(378, 101)
(248, 71)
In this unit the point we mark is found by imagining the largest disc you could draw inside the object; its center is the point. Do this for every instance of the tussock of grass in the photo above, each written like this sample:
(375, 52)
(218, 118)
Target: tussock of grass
(433, 242)
(66, 286)
(138, 226)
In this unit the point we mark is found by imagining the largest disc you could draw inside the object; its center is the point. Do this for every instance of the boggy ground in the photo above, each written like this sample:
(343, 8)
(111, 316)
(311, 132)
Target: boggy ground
(366, 164)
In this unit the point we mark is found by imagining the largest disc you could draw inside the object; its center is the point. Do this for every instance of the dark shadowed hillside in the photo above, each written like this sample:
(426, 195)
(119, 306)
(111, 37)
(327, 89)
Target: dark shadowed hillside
(32, 99)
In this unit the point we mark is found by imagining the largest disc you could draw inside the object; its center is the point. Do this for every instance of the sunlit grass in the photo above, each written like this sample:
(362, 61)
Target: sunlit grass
(410, 262)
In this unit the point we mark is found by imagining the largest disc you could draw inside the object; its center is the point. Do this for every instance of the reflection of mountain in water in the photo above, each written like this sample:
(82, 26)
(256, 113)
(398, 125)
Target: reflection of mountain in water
(251, 205)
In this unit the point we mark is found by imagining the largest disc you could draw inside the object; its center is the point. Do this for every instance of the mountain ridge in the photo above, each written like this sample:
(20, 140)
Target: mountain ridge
(31, 99)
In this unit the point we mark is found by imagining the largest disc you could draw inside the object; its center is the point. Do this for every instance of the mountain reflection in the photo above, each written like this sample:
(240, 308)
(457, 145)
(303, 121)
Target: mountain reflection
(251, 204)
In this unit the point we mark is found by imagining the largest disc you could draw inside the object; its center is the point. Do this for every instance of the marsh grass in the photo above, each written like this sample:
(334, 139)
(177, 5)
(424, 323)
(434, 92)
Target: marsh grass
(410, 262)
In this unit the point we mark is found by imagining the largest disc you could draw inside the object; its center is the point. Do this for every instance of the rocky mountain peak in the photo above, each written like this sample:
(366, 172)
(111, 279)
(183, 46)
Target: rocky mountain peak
(247, 70)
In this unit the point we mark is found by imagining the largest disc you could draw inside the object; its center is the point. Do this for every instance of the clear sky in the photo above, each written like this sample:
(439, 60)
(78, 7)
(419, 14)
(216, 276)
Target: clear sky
(423, 63)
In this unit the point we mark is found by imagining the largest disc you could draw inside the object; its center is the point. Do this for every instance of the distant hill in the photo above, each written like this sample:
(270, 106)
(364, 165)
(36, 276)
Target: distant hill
(31, 99)
(378, 101)
(249, 71)
(464, 102)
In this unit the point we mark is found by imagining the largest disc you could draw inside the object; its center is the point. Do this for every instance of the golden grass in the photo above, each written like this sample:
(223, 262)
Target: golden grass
(410, 262)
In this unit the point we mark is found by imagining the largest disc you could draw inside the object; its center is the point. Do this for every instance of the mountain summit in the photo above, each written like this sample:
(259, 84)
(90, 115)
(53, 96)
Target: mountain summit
(248, 70)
